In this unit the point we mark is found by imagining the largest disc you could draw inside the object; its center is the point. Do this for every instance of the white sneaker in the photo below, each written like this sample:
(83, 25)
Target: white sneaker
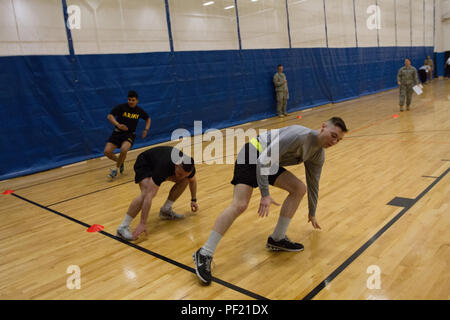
(124, 233)
(170, 215)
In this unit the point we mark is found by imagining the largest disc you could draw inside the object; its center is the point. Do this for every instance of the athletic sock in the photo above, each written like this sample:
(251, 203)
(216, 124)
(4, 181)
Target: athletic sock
(281, 228)
(210, 246)
(126, 221)
(167, 206)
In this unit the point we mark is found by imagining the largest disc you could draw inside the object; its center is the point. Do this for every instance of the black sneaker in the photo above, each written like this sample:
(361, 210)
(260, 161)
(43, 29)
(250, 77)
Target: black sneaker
(202, 266)
(122, 167)
(284, 245)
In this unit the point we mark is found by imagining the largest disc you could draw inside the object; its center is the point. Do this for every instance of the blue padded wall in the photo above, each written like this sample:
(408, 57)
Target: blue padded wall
(55, 107)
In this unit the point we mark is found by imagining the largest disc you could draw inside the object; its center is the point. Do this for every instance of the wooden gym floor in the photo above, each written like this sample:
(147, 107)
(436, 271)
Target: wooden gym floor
(383, 205)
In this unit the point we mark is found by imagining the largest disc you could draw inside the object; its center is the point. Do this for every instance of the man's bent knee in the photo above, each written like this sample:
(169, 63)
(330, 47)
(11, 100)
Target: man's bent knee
(185, 181)
(124, 149)
(300, 189)
(240, 207)
(108, 152)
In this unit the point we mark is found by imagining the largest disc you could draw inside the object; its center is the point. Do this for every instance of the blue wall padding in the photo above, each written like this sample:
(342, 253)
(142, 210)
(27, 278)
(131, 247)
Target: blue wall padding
(54, 108)
(440, 64)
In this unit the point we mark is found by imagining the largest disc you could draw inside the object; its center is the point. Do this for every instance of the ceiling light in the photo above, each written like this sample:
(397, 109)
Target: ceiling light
(229, 7)
(208, 3)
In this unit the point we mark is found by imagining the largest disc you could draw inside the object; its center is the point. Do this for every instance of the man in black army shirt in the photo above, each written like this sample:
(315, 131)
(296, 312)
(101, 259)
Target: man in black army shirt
(125, 118)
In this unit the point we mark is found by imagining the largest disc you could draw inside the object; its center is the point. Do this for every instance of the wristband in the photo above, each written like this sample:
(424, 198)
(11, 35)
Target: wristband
(194, 200)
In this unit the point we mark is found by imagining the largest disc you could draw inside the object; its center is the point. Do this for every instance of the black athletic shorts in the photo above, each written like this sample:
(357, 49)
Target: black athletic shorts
(142, 168)
(157, 163)
(117, 138)
(246, 173)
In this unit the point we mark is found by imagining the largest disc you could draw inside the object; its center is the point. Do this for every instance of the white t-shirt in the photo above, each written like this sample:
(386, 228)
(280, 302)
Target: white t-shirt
(448, 61)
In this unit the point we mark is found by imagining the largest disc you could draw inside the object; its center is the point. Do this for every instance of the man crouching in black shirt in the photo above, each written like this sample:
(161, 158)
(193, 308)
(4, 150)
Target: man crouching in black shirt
(153, 167)
(125, 118)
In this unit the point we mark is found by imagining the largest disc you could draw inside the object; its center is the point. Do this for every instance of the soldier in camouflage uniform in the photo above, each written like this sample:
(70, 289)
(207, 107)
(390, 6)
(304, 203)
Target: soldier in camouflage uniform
(281, 89)
(406, 78)
(429, 62)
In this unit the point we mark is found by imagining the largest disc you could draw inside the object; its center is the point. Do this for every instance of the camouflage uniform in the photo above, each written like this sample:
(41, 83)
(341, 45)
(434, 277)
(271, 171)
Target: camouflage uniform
(282, 92)
(407, 77)
(429, 62)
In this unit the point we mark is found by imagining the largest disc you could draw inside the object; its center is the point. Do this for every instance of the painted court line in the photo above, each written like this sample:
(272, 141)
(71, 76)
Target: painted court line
(89, 193)
(149, 252)
(408, 203)
(69, 176)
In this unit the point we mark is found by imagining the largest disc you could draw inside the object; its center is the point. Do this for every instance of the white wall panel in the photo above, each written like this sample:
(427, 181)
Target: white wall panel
(340, 23)
(367, 23)
(196, 26)
(403, 23)
(417, 23)
(32, 28)
(387, 29)
(121, 26)
(429, 23)
(307, 23)
(263, 24)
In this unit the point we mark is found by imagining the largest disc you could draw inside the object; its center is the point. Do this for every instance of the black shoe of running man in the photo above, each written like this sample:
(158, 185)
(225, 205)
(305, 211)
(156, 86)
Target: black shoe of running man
(203, 266)
(284, 245)
(122, 167)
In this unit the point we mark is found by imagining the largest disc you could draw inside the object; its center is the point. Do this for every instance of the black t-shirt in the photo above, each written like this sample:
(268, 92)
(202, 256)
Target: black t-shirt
(128, 116)
(159, 161)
